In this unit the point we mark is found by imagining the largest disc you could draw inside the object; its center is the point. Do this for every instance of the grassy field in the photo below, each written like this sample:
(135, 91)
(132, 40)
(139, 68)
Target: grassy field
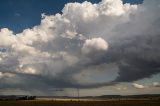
(82, 103)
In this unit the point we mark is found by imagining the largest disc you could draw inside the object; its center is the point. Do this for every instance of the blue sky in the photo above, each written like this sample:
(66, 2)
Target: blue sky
(21, 14)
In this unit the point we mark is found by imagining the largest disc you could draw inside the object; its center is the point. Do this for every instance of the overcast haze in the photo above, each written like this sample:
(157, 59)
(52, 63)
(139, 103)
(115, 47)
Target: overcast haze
(101, 47)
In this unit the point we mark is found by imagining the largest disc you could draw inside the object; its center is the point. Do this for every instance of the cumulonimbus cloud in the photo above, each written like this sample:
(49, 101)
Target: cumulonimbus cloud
(83, 36)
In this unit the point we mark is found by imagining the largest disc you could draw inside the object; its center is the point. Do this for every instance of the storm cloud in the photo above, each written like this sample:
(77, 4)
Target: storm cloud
(68, 50)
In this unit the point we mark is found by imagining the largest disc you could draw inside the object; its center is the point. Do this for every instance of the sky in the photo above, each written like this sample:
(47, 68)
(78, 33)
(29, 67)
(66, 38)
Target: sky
(102, 47)
(21, 14)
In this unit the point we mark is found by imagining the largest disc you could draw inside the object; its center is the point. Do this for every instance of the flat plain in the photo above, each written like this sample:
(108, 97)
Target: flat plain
(81, 103)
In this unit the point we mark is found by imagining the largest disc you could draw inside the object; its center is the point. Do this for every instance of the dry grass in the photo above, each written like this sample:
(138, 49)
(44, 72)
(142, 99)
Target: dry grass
(81, 103)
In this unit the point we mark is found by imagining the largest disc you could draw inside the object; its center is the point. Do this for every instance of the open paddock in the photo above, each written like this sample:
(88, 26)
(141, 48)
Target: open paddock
(64, 102)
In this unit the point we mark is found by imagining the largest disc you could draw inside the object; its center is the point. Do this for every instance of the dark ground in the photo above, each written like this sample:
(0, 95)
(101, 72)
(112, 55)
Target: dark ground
(82, 103)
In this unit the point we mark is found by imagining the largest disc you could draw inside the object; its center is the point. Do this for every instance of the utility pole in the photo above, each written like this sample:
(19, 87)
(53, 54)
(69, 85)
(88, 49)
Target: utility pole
(78, 93)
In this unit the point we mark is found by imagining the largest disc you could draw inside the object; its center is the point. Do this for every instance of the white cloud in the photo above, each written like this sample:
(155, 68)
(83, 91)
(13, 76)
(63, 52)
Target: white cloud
(30, 70)
(121, 88)
(111, 7)
(156, 84)
(138, 86)
(7, 38)
(93, 45)
(80, 12)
